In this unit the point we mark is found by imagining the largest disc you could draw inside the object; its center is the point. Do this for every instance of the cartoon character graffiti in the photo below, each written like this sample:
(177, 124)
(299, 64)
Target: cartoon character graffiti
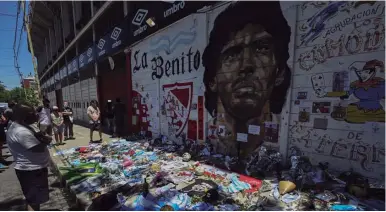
(369, 89)
(246, 70)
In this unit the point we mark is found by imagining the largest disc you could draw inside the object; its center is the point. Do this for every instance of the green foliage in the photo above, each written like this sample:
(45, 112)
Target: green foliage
(20, 95)
(3, 93)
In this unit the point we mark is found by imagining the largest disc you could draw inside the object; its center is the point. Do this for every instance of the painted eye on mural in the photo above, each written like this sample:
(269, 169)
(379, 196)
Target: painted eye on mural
(231, 54)
(262, 46)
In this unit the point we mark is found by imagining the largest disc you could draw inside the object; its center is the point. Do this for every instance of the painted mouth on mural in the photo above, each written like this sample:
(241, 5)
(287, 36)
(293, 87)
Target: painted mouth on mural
(245, 89)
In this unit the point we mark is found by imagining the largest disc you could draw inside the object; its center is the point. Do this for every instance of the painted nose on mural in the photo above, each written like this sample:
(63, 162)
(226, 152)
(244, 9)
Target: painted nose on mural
(246, 68)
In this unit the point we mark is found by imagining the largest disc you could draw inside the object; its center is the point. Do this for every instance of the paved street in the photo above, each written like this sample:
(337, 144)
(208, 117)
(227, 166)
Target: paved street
(11, 196)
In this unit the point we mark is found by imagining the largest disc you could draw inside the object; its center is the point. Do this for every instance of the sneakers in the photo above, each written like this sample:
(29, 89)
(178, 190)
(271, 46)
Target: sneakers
(96, 142)
(2, 166)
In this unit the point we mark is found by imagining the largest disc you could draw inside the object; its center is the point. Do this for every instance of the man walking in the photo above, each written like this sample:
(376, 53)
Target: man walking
(68, 122)
(119, 113)
(45, 122)
(94, 113)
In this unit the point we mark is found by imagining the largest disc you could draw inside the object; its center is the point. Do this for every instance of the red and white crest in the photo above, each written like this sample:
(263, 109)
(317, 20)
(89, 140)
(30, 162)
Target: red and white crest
(178, 101)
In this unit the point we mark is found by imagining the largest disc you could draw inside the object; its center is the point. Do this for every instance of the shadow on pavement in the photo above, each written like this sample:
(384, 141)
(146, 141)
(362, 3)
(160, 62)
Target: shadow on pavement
(56, 185)
(14, 204)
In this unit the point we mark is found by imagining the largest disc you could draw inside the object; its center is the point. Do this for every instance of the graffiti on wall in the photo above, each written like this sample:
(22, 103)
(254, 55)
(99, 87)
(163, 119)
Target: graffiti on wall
(315, 25)
(367, 88)
(177, 102)
(168, 44)
(242, 68)
(168, 66)
(350, 145)
(366, 35)
(246, 79)
(341, 53)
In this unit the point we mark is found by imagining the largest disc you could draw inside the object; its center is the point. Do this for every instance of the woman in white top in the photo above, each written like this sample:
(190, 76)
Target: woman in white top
(57, 125)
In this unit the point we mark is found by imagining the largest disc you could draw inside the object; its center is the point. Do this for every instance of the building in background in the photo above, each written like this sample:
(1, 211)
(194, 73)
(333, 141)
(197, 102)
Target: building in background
(29, 82)
(295, 76)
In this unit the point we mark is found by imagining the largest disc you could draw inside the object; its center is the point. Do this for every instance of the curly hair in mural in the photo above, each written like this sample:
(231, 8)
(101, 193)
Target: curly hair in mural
(246, 69)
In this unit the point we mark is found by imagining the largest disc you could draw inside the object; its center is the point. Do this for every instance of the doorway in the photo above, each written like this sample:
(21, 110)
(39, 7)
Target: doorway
(59, 99)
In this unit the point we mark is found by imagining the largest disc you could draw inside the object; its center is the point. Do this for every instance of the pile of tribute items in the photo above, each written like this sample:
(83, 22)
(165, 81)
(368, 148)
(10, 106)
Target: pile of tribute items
(157, 175)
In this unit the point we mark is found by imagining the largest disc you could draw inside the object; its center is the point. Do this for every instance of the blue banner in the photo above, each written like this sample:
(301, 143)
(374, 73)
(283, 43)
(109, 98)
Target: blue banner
(69, 68)
(73, 66)
(113, 41)
(87, 57)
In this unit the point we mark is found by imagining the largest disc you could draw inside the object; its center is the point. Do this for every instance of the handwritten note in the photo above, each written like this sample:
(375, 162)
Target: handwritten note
(134, 120)
(254, 129)
(242, 137)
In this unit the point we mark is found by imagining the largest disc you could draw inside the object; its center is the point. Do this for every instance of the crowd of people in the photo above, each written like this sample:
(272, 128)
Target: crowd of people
(28, 132)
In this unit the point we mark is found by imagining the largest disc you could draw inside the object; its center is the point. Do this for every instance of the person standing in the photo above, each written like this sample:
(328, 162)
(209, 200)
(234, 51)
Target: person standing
(8, 112)
(57, 125)
(68, 122)
(119, 114)
(45, 122)
(3, 124)
(31, 156)
(5, 121)
(110, 118)
(94, 113)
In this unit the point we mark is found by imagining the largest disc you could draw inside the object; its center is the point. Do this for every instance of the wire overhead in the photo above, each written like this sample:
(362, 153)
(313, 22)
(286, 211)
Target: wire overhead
(16, 46)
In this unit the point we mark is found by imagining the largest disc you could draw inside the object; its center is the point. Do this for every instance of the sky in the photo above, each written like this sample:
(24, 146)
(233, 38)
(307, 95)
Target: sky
(8, 74)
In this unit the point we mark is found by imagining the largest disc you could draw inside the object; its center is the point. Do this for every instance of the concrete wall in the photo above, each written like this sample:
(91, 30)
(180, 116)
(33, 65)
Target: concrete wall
(276, 80)
(337, 101)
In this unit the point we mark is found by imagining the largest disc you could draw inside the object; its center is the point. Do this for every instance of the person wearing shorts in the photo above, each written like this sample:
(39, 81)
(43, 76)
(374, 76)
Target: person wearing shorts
(57, 125)
(45, 122)
(94, 113)
(31, 156)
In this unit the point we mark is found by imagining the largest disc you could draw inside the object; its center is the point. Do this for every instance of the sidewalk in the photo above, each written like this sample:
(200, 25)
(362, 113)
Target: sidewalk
(11, 196)
(82, 138)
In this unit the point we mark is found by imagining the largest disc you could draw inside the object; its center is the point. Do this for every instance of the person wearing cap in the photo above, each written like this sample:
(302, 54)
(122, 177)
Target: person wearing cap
(110, 118)
(68, 122)
(57, 122)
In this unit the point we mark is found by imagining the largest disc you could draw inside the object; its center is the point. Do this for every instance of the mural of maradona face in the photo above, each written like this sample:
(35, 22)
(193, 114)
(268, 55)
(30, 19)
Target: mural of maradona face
(246, 66)
(246, 73)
